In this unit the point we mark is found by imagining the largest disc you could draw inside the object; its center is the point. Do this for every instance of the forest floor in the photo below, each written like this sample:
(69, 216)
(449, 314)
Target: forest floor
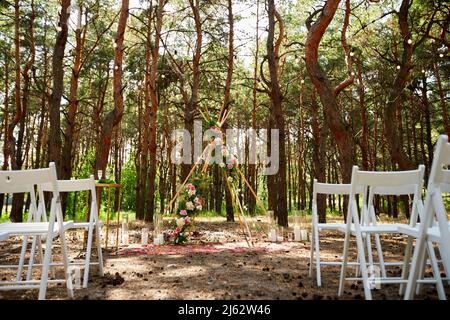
(227, 274)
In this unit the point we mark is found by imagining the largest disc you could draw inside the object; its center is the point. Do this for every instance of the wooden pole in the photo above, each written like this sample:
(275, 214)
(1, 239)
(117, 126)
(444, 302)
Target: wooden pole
(234, 201)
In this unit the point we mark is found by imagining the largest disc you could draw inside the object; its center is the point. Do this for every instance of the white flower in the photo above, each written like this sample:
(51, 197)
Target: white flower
(230, 179)
(180, 222)
(221, 164)
(190, 205)
(199, 207)
(224, 152)
(191, 192)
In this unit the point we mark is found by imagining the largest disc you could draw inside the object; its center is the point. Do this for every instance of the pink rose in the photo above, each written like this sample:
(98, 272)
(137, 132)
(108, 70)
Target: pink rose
(190, 186)
(230, 166)
(183, 212)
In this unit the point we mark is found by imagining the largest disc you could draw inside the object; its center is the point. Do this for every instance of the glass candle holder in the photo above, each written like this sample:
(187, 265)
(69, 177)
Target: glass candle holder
(297, 217)
(280, 235)
(156, 225)
(144, 236)
(125, 234)
(271, 225)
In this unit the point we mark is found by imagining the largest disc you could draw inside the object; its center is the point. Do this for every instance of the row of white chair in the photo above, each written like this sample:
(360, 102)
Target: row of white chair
(363, 225)
(41, 228)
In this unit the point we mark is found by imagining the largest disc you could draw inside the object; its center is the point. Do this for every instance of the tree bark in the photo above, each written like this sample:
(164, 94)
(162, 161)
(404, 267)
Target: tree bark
(251, 166)
(396, 151)
(319, 136)
(324, 88)
(191, 107)
(69, 131)
(154, 109)
(54, 147)
(5, 126)
(114, 117)
(277, 108)
(16, 211)
(442, 100)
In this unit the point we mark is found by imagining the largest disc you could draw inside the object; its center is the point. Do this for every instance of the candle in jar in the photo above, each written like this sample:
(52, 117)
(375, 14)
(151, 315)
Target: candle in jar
(144, 236)
(297, 233)
(304, 235)
(125, 238)
(161, 238)
(273, 235)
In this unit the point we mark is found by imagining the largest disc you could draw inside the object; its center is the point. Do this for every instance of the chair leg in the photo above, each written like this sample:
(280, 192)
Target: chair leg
(369, 249)
(45, 268)
(87, 259)
(22, 258)
(311, 252)
(380, 256)
(31, 260)
(344, 265)
(40, 251)
(65, 260)
(363, 266)
(99, 248)
(418, 257)
(442, 250)
(421, 273)
(436, 272)
(406, 262)
(318, 270)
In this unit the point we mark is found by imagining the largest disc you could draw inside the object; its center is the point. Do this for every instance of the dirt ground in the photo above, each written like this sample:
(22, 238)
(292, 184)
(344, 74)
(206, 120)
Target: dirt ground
(222, 275)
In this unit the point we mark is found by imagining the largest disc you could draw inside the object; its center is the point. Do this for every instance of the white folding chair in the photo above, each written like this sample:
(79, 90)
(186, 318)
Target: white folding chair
(434, 226)
(93, 223)
(326, 189)
(24, 181)
(383, 183)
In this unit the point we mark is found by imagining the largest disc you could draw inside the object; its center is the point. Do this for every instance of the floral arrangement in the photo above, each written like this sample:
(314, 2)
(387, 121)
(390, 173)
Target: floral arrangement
(190, 201)
(189, 204)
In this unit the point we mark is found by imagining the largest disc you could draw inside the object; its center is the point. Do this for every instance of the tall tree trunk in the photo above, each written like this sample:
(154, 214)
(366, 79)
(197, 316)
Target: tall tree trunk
(191, 107)
(17, 160)
(427, 115)
(397, 153)
(252, 166)
(277, 108)
(144, 141)
(364, 128)
(327, 94)
(226, 98)
(69, 131)
(319, 136)
(16, 212)
(442, 100)
(43, 107)
(114, 117)
(5, 126)
(153, 113)
(54, 147)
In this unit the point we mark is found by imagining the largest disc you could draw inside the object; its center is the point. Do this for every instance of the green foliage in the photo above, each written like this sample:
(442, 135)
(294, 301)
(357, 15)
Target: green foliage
(128, 182)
